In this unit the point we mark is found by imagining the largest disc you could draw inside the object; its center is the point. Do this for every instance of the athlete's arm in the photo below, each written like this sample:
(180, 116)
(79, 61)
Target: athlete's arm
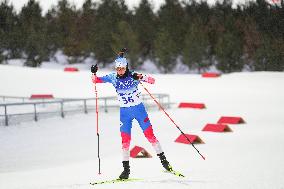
(96, 79)
(103, 79)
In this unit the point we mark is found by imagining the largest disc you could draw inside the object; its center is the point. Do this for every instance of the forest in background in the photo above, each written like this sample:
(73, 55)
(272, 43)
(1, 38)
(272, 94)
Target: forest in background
(248, 36)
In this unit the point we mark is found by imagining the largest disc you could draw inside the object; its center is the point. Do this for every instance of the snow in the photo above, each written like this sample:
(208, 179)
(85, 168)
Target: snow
(149, 66)
(58, 153)
(16, 62)
(60, 57)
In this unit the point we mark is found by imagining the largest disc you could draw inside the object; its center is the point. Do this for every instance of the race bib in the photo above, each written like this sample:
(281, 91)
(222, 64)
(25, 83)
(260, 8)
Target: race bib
(129, 99)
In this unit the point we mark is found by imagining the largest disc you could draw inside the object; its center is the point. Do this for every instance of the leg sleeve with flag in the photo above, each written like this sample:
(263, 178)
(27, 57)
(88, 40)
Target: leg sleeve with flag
(139, 113)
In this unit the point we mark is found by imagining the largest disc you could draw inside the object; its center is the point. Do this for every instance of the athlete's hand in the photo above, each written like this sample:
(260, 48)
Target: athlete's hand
(137, 76)
(94, 69)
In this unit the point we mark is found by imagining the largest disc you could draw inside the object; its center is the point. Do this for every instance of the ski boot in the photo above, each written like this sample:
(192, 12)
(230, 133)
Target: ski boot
(164, 162)
(125, 173)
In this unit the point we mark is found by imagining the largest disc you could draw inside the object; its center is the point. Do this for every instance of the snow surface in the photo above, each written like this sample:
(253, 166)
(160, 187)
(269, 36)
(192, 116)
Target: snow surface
(58, 153)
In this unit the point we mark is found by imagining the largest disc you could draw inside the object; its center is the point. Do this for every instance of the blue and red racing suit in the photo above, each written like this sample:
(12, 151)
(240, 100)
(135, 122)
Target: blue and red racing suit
(131, 107)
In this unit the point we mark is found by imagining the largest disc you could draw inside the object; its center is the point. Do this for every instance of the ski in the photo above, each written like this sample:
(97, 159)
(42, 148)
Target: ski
(115, 181)
(175, 173)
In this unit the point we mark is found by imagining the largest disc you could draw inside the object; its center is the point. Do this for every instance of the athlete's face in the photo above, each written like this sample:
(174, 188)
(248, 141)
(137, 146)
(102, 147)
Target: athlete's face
(120, 70)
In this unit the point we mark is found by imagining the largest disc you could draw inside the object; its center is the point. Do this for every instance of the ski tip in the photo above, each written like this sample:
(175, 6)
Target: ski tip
(203, 157)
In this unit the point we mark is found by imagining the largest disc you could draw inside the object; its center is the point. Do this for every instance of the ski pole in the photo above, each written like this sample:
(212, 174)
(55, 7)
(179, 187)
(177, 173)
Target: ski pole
(97, 123)
(159, 105)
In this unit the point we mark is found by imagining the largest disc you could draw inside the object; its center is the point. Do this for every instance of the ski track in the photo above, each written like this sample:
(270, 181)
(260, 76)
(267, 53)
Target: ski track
(58, 153)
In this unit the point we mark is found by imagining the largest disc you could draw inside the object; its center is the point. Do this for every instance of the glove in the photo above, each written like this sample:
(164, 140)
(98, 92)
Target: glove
(94, 69)
(137, 76)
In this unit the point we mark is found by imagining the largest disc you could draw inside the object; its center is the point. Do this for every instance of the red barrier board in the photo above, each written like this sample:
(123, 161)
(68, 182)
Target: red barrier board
(71, 69)
(230, 120)
(41, 96)
(191, 105)
(192, 138)
(217, 128)
(210, 74)
(139, 152)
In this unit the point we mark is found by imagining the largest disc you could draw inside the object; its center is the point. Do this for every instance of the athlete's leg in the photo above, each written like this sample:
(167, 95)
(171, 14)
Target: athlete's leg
(125, 132)
(142, 117)
(153, 140)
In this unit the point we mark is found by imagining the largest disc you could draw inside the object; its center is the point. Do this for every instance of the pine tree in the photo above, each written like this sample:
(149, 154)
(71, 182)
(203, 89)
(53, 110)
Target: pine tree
(108, 14)
(144, 25)
(196, 50)
(269, 56)
(172, 19)
(9, 34)
(33, 33)
(229, 53)
(125, 37)
(225, 38)
(2, 47)
(5, 25)
(164, 52)
(251, 39)
(53, 37)
(85, 28)
(67, 23)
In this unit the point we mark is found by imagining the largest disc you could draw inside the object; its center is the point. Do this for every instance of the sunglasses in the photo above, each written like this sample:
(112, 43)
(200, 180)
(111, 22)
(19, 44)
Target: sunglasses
(120, 68)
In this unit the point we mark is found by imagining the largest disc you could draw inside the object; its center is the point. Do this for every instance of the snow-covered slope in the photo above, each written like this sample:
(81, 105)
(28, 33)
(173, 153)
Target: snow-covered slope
(61, 153)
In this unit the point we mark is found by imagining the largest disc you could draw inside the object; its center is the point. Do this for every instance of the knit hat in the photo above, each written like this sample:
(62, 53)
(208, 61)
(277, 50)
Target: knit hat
(120, 62)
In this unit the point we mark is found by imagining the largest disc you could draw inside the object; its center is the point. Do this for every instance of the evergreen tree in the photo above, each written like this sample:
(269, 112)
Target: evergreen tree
(164, 52)
(194, 11)
(33, 33)
(251, 39)
(172, 19)
(144, 25)
(108, 14)
(196, 50)
(67, 24)
(269, 56)
(9, 33)
(261, 14)
(5, 24)
(125, 37)
(2, 47)
(229, 53)
(225, 38)
(53, 40)
(85, 28)
(217, 24)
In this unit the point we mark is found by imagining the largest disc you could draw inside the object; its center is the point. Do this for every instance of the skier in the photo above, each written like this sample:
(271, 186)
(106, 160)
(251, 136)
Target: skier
(131, 107)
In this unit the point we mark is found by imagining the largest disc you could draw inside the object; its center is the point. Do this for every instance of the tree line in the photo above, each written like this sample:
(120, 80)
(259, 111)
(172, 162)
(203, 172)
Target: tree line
(249, 36)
